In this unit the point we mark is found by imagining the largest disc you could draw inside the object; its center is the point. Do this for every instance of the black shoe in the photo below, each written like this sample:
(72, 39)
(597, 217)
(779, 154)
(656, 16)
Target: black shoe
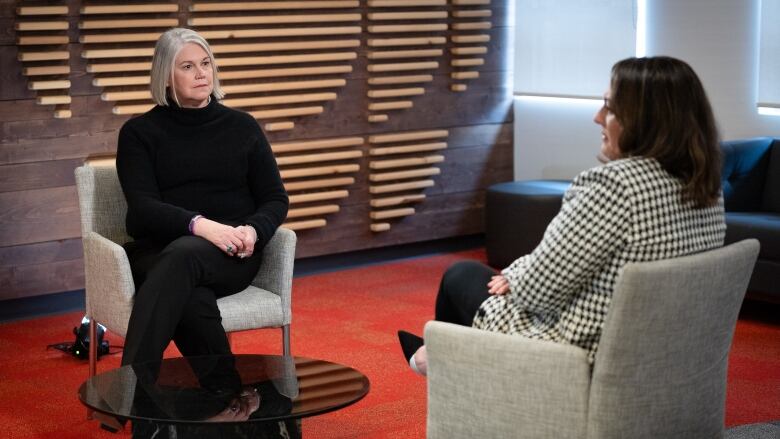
(409, 343)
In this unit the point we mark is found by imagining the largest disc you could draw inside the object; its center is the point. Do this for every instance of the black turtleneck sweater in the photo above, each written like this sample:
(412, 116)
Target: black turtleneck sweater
(175, 163)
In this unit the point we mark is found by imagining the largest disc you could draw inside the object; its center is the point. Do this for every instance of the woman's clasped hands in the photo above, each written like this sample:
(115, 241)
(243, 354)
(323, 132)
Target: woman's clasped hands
(234, 241)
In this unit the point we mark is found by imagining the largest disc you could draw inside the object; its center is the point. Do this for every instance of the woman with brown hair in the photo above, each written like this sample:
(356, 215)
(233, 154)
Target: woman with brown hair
(657, 196)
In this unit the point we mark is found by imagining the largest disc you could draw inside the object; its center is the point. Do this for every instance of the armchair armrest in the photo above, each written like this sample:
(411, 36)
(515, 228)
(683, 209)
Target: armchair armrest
(109, 282)
(485, 384)
(276, 269)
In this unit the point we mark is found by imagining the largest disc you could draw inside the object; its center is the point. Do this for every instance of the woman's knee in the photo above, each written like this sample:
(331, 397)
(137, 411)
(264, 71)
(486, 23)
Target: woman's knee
(465, 272)
(187, 248)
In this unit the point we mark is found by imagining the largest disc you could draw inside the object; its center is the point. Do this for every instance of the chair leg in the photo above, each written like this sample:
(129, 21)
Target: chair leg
(93, 346)
(92, 355)
(286, 340)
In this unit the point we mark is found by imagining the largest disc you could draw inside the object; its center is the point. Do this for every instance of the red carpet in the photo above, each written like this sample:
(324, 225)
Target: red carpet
(348, 317)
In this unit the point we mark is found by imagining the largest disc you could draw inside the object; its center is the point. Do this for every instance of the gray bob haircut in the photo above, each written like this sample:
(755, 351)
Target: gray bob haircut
(168, 46)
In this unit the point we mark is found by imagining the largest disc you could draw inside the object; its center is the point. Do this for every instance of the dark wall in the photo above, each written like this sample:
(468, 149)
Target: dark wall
(40, 248)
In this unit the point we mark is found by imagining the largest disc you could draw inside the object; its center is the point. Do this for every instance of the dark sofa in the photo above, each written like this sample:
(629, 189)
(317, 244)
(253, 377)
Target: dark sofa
(751, 191)
(516, 213)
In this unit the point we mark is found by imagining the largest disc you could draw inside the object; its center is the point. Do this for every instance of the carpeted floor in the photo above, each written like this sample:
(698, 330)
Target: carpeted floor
(349, 317)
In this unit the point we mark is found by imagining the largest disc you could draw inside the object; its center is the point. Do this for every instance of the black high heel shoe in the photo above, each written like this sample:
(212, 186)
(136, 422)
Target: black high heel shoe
(410, 343)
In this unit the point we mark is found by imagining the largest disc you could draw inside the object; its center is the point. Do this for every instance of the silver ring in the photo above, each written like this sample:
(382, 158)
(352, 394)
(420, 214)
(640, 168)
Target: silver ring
(229, 248)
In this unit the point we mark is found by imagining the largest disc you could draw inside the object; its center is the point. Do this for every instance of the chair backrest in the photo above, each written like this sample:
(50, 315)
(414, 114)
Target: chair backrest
(102, 202)
(660, 369)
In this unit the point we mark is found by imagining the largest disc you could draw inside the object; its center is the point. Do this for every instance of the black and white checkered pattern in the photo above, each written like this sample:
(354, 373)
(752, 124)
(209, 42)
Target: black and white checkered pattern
(629, 210)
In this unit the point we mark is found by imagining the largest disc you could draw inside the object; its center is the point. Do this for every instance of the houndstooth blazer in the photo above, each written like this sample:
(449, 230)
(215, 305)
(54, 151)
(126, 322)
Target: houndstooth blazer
(629, 210)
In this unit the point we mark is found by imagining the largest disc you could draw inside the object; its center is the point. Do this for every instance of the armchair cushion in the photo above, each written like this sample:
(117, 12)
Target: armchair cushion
(764, 226)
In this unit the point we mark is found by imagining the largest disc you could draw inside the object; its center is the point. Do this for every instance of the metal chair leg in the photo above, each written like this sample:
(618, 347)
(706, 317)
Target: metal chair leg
(286, 340)
(92, 354)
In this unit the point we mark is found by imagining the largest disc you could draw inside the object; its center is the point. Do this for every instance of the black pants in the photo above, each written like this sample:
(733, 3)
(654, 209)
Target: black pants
(177, 286)
(462, 290)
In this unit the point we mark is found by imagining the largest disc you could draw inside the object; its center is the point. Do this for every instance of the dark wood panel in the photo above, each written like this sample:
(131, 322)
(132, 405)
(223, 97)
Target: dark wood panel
(488, 101)
(438, 217)
(476, 168)
(40, 249)
(35, 150)
(41, 253)
(7, 34)
(477, 135)
(14, 131)
(23, 109)
(35, 280)
(39, 175)
(13, 85)
(38, 215)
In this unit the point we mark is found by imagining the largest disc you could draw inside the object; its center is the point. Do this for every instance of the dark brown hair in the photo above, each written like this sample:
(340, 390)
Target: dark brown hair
(665, 114)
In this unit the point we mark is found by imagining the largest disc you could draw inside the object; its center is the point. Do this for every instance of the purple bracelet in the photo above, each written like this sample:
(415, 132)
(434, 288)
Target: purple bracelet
(192, 223)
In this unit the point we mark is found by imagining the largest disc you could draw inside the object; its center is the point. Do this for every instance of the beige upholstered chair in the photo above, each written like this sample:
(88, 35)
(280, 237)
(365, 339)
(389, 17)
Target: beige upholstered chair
(109, 281)
(659, 372)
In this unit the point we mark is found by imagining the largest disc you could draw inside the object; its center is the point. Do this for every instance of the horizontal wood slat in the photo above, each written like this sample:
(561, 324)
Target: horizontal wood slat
(127, 24)
(403, 79)
(272, 19)
(396, 92)
(318, 196)
(412, 135)
(318, 171)
(39, 41)
(401, 175)
(392, 213)
(395, 201)
(397, 67)
(311, 211)
(318, 184)
(404, 3)
(389, 54)
(400, 187)
(405, 163)
(394, 105)
(316, 158)
(46, 70)
(143, 8)
(316, 144)
(426, 15)
(305, 225)
(416, 41)
(404, 28)
(287, 112)
(41, 10)
(280, 32)
(41, 25)
(271, 6)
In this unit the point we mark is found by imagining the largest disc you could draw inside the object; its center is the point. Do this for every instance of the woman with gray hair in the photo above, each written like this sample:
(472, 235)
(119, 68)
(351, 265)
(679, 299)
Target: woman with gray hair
(204, 196)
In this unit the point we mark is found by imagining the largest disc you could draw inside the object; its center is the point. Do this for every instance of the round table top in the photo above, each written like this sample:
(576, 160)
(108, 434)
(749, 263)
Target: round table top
(223, 389)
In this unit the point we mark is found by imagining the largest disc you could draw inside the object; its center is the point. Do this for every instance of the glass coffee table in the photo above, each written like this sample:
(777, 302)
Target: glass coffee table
(237, 396)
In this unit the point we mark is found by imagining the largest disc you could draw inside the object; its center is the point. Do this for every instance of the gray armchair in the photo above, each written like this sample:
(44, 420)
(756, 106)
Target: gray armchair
(109, 281)
(660, 370)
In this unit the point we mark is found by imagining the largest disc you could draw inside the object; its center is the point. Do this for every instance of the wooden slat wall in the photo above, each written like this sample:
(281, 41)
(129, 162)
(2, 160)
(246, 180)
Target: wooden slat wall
(40, 247)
